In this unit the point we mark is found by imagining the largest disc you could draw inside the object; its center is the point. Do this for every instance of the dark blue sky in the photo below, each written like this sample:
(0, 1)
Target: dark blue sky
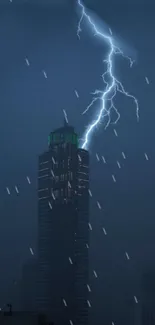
(31, 106)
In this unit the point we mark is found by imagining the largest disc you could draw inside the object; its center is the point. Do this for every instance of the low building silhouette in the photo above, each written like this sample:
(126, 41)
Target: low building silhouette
(9, 317)
(28, 286)
(148, 298)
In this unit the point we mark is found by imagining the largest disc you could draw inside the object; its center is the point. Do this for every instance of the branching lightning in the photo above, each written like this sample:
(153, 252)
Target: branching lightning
(112, 87)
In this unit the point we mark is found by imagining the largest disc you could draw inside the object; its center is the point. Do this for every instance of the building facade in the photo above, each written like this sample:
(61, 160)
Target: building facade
(82, 240)
(63, 216)
(148, 298)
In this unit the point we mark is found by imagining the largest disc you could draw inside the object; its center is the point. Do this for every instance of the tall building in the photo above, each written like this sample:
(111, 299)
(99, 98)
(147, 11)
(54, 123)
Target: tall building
(63, 212)
(148, 298)
(82, 240)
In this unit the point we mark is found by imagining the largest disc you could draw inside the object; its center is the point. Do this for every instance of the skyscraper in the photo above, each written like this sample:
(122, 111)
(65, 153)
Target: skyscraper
(82, 240)
(63, 216)
(148, 298)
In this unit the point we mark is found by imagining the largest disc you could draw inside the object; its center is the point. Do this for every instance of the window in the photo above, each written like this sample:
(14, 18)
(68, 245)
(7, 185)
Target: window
(67, 138)
(49, 140)
(70, 176)
(43, 162)
(69, 192)
(74, 139)
(43, 176)
(69, 161)
(56, 137)
(41, 170)
(56, 193)
(55, 148)
(56, 178)
(62, 177)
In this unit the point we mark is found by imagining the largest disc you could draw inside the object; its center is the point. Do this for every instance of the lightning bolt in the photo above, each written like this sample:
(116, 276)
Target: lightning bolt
(114, 86)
